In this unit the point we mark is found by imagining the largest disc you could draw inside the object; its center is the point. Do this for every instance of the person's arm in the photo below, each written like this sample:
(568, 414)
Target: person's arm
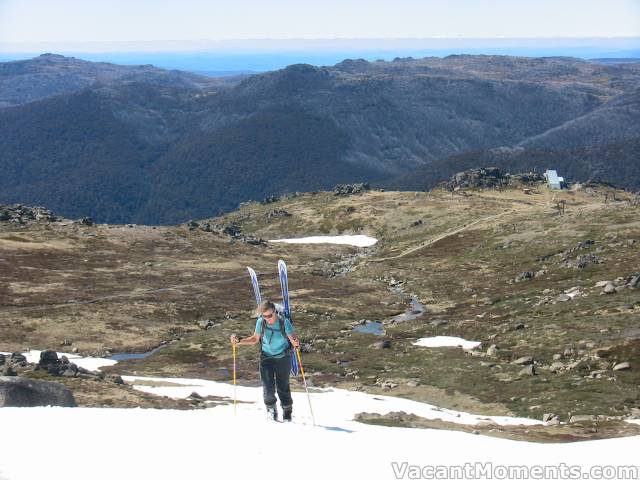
(252, 340)
(295, 341)
(293, 338)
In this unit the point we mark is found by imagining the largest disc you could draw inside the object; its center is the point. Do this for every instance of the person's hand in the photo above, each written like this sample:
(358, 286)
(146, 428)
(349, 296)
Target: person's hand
(234, 339)
(295, 342)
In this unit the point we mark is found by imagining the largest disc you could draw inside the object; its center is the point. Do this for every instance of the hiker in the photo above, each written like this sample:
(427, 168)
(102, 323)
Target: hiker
(275, 334)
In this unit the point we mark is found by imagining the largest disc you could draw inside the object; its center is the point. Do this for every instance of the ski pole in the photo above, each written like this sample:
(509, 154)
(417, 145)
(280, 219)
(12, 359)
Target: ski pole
(305, 385)
(233, 347)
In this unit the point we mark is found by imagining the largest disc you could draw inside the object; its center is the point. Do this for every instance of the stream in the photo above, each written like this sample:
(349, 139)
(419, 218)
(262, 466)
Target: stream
(417, 309)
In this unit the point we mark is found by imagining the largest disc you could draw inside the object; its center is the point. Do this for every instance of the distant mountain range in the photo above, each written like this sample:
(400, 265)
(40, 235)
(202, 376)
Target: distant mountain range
(146, 145)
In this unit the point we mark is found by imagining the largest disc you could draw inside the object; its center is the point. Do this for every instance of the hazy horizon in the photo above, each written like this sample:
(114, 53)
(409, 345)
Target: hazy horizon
(253, 56)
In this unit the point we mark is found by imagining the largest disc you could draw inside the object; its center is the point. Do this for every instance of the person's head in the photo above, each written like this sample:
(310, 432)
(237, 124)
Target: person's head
(267, 309)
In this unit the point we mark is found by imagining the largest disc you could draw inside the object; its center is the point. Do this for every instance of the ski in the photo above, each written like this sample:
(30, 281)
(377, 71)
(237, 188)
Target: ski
(256, 286)
(284, 287)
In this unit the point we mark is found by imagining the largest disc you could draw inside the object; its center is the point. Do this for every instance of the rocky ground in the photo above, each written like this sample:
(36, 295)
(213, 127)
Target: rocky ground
(552, 296)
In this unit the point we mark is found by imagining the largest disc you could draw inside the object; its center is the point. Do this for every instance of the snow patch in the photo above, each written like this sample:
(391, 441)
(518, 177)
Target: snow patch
(354, 240)
(443, 341)
(90, 363)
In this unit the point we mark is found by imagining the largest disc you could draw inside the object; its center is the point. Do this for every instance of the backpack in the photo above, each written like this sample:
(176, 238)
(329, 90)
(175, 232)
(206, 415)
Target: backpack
(281, 322)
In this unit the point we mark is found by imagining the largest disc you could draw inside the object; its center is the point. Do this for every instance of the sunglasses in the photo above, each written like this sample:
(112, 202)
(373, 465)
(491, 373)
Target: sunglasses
(271, 315)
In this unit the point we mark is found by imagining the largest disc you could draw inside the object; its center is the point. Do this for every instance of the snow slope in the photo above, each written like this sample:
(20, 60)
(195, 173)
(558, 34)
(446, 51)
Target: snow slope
(214, 443)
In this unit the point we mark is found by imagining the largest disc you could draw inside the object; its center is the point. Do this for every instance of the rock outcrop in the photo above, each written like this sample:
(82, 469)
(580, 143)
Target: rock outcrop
(491, 178)
(24, 392)
(22, 214)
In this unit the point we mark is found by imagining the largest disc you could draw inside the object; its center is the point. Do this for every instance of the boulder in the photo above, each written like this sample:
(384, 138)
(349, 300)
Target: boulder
(633, 281)
(48, 357)
(528, 370)
(556, 367)
(622, 366)
(582, 418)
(18, 359)
(24, 392)
(523, 360)
(609, 288)
(381, 344)
(521, 277)
(206, 324)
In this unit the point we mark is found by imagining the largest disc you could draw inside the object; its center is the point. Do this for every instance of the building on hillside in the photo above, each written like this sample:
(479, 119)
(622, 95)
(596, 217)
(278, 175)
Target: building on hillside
(553, 180)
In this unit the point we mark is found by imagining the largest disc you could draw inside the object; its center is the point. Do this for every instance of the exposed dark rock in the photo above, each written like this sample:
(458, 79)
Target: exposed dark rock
(18, 359)
(24, 392)
(206, 324)
(524, 276)
(382, 344)
(48, 357)
(351, 189)
(270, 199)
(232, 230)
(588, 259)
(278, 214)
(21, 214)
(633, 280)
(581, 261)
(490, 178)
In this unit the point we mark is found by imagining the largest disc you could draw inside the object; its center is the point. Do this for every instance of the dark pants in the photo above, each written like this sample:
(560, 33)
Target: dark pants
(274, 373)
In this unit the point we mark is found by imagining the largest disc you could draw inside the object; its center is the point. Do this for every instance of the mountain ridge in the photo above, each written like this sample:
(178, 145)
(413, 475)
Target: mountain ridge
(149, 150)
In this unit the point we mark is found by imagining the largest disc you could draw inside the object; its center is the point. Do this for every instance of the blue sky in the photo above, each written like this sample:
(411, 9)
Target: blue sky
(69, 22)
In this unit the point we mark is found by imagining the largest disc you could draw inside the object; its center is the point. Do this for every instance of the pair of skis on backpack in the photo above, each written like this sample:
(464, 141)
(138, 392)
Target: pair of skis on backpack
(284, 287)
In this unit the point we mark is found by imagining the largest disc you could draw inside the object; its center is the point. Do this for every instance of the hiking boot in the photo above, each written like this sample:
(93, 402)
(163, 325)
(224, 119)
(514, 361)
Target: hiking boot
(272, 413)
(286, 413)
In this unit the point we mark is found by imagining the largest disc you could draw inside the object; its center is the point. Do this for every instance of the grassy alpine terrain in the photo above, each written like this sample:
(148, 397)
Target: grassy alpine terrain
(553, 298)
